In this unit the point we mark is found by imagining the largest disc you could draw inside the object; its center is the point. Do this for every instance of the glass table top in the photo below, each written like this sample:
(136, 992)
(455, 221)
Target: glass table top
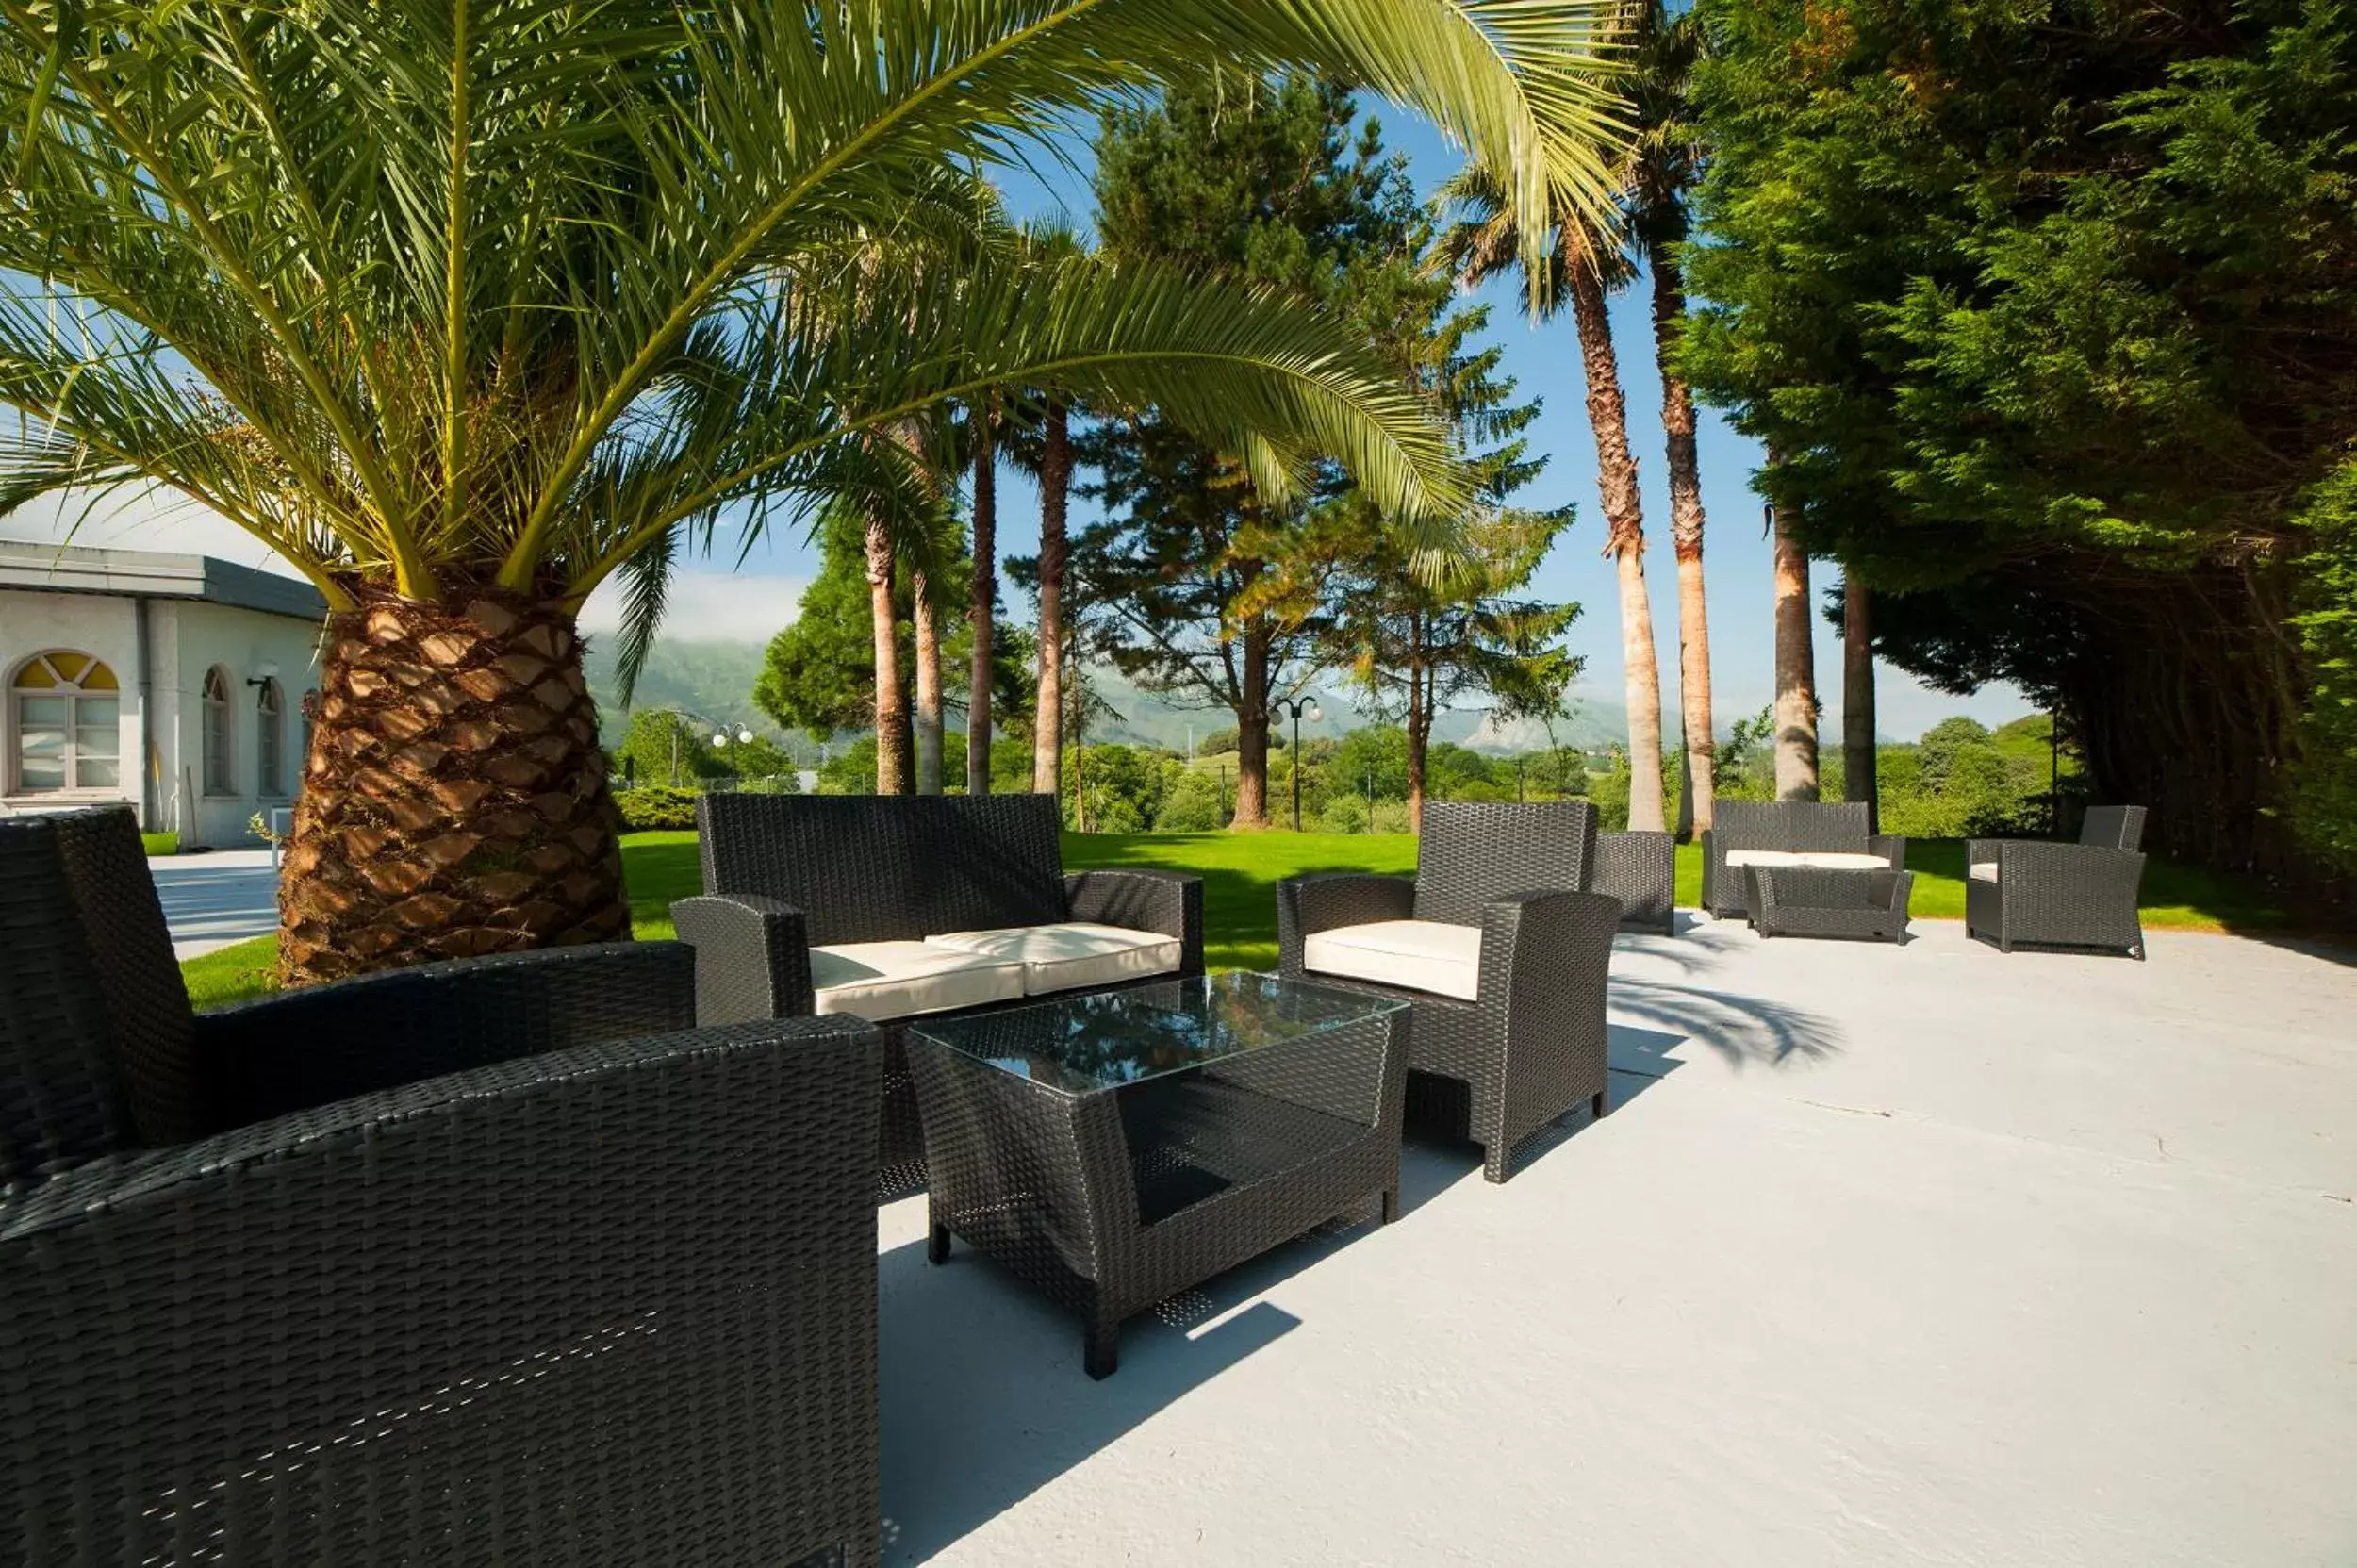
(1092, 1041)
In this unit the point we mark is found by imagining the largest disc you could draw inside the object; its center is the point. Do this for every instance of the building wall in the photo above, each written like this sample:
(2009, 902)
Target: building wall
(193, 636)
(163, 772)
(103, 627)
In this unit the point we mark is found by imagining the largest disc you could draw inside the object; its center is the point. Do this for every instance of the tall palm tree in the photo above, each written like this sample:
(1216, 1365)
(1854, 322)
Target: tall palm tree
(465, 309)
(1796, 661)
(1584, 258)
(982, 614)
(1055, 560)
(1664, 164)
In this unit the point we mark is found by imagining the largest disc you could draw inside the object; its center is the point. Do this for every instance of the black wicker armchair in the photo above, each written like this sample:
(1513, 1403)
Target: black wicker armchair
(1639, 868)
(1502, 957)
(2030, 892)
(893, 906)
(1797, 834)
(493, 1261)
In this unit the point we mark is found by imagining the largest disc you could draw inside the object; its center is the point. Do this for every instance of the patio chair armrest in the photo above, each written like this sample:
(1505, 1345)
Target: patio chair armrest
(1307, 905)
(1170, 903)
(1892, 847)
(1542, 929)
(571, 1245)
(752, 957)
(326, 1043)
(2028, 867)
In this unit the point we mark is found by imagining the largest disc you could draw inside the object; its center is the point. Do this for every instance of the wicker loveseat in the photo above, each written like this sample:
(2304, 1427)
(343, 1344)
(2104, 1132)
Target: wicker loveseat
(893, 906)
(1817, 835)
(2032, 892)
(487, 1261)
(1502, 957)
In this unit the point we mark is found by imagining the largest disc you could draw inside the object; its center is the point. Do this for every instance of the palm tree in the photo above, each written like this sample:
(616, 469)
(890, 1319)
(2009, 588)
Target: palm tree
(463, 309)
(1584, 260)
(983, 420)
(1665, 163)
(1055, 559)
(1796, 661)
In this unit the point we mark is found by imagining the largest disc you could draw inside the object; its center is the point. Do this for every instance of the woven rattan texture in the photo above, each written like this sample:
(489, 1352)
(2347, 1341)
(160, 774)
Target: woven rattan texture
(1112, 1201)
(752, 942)
(1471, 851)
(1794, 826)
(586, 1298)
(63, 1094)
(1532, 1047)
(1805, 901)
(881, 869)
(1639, 868)
(2060, 895)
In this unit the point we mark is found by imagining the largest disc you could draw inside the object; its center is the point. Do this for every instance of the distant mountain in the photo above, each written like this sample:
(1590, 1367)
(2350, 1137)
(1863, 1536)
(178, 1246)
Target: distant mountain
(712, 680)
(1149, 719)
(715, 681)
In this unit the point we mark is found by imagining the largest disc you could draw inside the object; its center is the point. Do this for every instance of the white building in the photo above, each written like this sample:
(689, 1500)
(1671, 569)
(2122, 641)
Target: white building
(178, 683)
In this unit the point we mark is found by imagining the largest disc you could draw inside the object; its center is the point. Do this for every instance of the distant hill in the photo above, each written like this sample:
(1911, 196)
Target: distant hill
(711, 680)
(715, 681)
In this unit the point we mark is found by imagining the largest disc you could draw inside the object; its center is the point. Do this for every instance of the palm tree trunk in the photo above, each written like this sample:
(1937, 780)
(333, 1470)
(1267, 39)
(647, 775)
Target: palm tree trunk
(1624, 541)
(926, 619)
(1858, 780)
(1796, 668)
(892, 712)
(1055, 480)
(455, 801)
(986, 602)
(1697, 792)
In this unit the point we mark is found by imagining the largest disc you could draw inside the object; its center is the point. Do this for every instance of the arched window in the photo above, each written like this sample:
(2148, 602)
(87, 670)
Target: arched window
(67, 734)
(270, 739)
(220, 778)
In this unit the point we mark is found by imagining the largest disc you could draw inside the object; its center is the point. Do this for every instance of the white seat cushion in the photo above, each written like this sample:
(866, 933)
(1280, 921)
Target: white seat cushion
(1423, 955)
(881, 981)
(1762, 857)
(1984, 870)
(1843, 860)
(1070, 956)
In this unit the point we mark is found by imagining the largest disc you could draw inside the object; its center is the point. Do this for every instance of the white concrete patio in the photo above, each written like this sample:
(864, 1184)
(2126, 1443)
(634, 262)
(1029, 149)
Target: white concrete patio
(1913, 1256)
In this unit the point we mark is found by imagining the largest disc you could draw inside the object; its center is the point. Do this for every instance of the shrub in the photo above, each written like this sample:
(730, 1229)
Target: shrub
(1193, 805)
(1344, 813)
(1388, 817)
(653, 807)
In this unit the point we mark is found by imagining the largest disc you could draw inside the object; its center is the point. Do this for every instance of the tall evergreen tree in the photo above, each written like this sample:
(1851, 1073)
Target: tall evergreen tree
(2050, 313)
(1275, 183)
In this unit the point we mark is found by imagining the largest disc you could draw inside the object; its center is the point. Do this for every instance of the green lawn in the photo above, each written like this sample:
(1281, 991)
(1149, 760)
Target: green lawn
(1241, 872)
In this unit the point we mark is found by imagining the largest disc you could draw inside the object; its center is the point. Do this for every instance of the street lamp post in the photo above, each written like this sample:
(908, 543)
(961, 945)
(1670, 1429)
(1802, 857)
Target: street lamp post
(721, 741)
(1294, 708)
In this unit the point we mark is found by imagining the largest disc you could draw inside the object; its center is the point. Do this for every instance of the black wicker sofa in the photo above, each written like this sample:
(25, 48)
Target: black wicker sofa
(496, 1260)
(1793, 834)
(890, 907)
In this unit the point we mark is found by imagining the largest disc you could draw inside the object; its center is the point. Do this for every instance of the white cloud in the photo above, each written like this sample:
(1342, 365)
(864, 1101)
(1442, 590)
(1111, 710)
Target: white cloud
(159, 520)
(710, 607)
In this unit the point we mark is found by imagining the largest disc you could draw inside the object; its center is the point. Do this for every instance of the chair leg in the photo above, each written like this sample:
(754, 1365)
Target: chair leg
(1391, 1203)
(1600, 1103)
(937, 1245)
(1493, 1159)
(1101, 1354)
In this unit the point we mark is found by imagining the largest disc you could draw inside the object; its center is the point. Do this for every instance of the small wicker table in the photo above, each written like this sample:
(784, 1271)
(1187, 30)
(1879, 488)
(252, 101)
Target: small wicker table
(1113, 1148)
(1807, 901)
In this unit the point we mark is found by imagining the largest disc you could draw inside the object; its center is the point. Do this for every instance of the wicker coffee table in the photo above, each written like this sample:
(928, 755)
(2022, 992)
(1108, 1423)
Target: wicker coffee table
(1113, 1148)
(1807, 901)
